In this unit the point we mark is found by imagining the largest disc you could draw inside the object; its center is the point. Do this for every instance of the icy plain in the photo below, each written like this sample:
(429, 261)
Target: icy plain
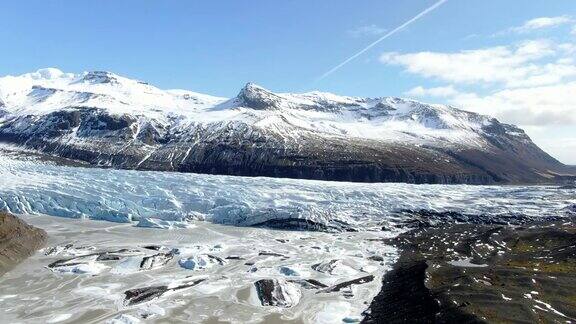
(90, 291)
(183, 247)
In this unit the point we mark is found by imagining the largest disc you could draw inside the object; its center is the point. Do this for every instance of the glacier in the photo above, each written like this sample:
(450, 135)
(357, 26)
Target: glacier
(168, 199)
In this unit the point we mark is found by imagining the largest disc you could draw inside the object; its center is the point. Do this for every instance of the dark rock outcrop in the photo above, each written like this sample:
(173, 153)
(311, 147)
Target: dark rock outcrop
(277, 292)
(309, 283)
(404, 298)
(424, 218)
(302, 224)
(86, 258)
(156, 261)
(142, 295)
(326, 266)
(469, 273)
(348, 284)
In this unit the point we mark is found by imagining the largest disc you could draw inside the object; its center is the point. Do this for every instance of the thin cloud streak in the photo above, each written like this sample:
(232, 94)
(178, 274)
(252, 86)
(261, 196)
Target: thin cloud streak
(392, 32)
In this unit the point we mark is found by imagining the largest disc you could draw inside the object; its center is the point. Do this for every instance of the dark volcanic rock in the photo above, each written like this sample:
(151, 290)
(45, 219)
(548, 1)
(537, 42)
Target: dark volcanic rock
(268, 253)
(429, 218)
(154, 247)
(18, 241)
(300, 224)
(309, 283)
(326, 266)
(277, 292)
(142, 295)
(471, 273)
(347, 284)
(377, 258)
(156, 261)
(85, 258)
(404, 298)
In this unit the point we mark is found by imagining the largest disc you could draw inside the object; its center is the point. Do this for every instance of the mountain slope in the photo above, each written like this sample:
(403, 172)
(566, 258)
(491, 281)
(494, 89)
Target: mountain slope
(108, 120)
(18, 241)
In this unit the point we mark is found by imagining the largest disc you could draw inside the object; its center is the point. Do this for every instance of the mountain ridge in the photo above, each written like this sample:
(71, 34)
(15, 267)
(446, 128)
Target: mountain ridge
(112, 121)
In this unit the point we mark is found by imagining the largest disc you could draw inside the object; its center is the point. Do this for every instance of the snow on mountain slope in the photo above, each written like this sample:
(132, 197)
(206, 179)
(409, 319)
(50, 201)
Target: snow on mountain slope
(50, 90)
(109, 120)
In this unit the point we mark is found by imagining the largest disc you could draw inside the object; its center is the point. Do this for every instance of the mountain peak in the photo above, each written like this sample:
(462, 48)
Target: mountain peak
(256, 97)
(50, 73)
(252, 88)
(99, 77)
(47, 74)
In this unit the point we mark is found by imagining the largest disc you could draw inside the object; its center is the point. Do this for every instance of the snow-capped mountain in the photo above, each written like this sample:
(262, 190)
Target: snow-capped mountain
(109, 120)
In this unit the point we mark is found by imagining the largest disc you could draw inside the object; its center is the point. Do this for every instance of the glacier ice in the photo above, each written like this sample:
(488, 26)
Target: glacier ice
(168, 200)
(199, 262)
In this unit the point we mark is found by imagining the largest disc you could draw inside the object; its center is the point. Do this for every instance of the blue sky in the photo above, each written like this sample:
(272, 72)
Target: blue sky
(490, 56)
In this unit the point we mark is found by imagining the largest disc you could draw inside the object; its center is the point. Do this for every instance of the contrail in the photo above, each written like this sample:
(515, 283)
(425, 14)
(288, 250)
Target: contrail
(394, 31)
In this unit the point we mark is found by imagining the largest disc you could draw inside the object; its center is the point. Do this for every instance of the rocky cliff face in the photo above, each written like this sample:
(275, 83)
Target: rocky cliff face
(111, 121)
(18, 241)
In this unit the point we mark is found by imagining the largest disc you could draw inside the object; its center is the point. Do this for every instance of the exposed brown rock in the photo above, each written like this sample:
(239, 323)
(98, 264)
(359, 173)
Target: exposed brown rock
(18, 241)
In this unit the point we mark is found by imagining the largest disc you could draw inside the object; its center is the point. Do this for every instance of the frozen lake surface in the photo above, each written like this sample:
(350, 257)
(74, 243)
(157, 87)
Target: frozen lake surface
(94, 291)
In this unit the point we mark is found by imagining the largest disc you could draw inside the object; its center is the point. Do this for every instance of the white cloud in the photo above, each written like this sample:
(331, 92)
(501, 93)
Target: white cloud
(542, 22)
(530, 83)
(556, 140)
(561, 148)
(419, 91)
(512, 66)
(367, 30)
(540, 106)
